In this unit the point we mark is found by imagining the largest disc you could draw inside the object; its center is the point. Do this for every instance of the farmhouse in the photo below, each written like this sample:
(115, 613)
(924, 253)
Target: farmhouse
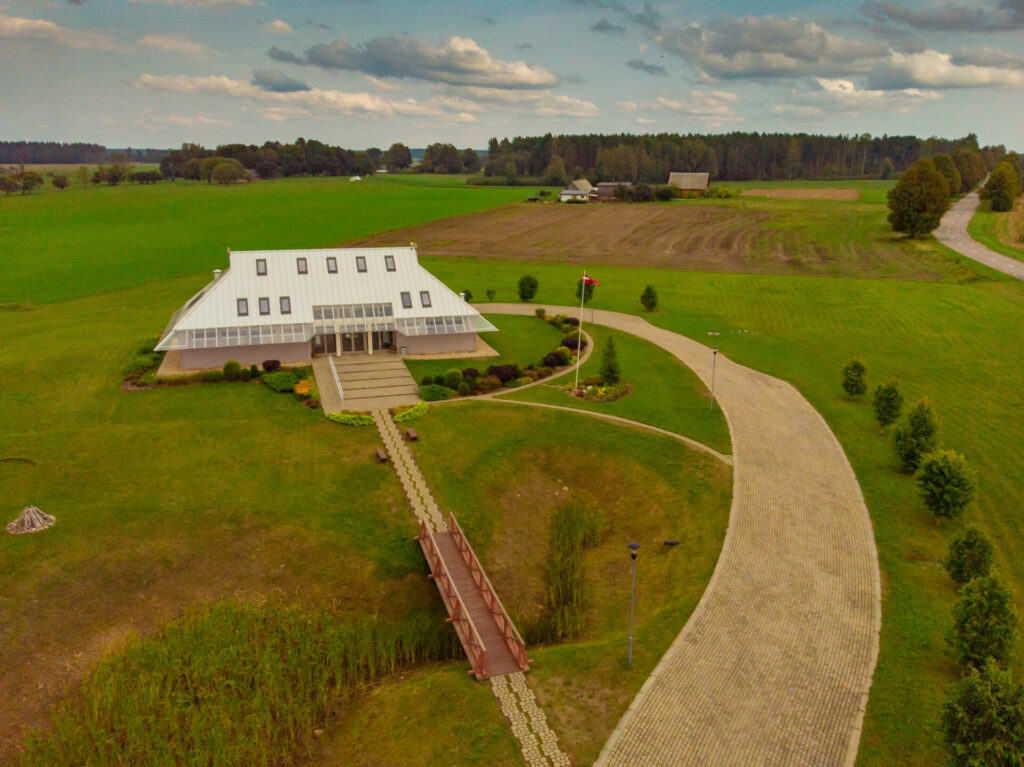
(606, 189)
(290, 304)
(694, 183)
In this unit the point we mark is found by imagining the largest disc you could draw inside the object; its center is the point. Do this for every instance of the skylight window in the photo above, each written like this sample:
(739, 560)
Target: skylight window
(243, 307)
(286, 305)
(261, 267)
(264, 306)
(332, 265)
(406, 300)
(303, 266)
(389, 262)
(425, 298)
(360, 263)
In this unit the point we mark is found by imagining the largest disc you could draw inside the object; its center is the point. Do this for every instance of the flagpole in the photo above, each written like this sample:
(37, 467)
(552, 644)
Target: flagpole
(579, 338)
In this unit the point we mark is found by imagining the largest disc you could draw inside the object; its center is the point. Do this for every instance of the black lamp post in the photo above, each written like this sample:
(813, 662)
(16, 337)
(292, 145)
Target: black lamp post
(714, 361)
(633, 548)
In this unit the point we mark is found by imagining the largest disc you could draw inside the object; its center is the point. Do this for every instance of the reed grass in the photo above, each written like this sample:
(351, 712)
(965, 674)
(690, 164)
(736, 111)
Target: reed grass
(234, 684)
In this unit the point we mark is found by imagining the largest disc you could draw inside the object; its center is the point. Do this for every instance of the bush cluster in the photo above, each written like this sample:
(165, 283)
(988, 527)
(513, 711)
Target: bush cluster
(281, 381)
(418, 410)
(350, 418)
(434, 393)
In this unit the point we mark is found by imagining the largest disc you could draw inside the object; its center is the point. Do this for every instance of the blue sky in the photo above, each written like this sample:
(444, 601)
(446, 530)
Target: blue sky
(369, 72)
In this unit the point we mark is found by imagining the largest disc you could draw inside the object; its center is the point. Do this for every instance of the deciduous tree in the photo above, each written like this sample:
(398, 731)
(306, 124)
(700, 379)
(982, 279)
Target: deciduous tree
(917, 437)
(970, 555)
(528, 285)
(983, 720)
(1002, 188)
(853, 378)
(984, 623)
(918, 200)
(888, 403)
(60, 181)
(946, 483)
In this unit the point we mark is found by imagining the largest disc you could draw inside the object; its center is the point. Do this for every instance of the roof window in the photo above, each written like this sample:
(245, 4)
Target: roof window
(425, 298)
(389, 262)
(243, 307)
(264, 306)
(261, 267)
(286, 305)
(360, 263)
(406, 300)
(332, 265)
(303, 265)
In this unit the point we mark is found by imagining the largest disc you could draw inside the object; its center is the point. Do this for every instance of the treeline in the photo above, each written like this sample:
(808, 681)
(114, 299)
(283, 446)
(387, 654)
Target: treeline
(726, 157)
(50, 153)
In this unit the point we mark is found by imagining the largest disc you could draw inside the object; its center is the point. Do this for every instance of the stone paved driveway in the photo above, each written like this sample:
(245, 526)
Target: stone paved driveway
(775, 664)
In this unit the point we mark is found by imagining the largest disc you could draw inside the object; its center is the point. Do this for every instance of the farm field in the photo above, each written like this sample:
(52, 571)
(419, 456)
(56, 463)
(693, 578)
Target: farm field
(1002, 232)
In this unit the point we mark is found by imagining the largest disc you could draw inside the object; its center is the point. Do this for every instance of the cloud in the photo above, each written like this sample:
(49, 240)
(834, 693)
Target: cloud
(318, 24)
(574, 79)
(217, 5)
(933, 69)
(986, 56)
(40, 30)
(840, 92)
(715, 108)
(645, 121)
(1007, 15)
(277, 82)
(523, 47)
(642, 66)
(459, 61)
(605, 27)
(159, 120)
(540, 102)
(487, 20)
(278, 27)
(627, 106)
(380, 85)
(174, 44)
(648, 16)
(282, 114)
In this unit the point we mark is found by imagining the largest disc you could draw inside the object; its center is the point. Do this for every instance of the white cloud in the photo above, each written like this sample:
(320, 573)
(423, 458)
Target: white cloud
(626, 106)
(539, 102)
(282, 114)
(711, 107)
(159, 120)
(174, 44)
(212, 4)
(934, 69)
(645, 121)
(381, 85)
(40, 30)
(844, 93)
(278, 27)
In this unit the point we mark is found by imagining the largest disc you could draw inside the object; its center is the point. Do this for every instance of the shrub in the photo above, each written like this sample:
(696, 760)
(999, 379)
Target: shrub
(573, 321)
(983, 720)
(984, 624)
(467, 295)
(610, 371)
(853, 378)
(302, 389)
(470, 373)
(270, 366)
(649, 298)
(540, 313)
(488, 383)
(575, 341)
(946, 483)
(888, 403)
(464, 389)
(232, 370)
(416, 411)
(434, 393)
(246, 374)
(528, 285)
(592, 381)
(531, 373)
(349, 418)
(254, 372)
(490, 294)
(281, 381)
(565, 351)
(438, 380)
(544, 371)
(917, 437)
(427, 380)
(555, 359)
(515, 383)
(452, 379)
(970, 555)
(503, 373)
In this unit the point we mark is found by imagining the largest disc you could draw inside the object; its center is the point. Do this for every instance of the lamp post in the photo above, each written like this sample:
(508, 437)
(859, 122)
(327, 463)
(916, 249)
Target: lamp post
(714, 361)
(633, 548)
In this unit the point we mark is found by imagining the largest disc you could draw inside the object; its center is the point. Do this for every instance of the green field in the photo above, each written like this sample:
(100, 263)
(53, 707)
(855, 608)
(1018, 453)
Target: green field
(1002, 232)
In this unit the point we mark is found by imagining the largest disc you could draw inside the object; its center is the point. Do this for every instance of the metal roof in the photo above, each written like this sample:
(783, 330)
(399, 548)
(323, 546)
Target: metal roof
(688, 181)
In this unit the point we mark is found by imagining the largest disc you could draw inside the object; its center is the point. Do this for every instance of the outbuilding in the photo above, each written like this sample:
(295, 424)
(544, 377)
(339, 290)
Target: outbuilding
(691, 183)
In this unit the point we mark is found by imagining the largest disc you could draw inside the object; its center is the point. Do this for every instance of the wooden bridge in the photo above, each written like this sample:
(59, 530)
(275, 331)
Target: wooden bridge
(491, 641)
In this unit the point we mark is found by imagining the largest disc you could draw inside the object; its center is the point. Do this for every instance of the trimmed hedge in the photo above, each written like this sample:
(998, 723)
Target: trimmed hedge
(281, 381)
(416, 411)
(434, 393)
(348, 418)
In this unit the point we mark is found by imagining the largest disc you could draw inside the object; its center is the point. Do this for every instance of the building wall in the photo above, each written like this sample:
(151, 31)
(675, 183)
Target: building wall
(454, 342)
(192, 359)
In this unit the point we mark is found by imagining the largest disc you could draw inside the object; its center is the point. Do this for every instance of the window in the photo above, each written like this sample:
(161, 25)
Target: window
(406, 300)
(361, 263)
(332, 265)
(425, 298)
(286, 305)
(389, 262)
(303, 266)
(261, 267)
(243, 307)
(264, 306)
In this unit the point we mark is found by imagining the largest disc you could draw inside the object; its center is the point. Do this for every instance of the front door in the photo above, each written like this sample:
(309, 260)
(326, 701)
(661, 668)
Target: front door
(353, 342)
(325, 344)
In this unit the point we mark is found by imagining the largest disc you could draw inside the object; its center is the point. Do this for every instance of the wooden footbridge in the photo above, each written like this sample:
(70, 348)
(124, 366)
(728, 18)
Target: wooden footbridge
(492, 643)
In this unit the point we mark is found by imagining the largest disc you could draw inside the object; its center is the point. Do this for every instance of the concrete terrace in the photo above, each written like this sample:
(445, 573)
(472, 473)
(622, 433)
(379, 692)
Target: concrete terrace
(369, 382)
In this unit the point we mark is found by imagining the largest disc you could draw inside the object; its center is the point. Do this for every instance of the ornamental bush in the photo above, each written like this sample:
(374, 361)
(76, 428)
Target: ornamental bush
(246, 375)
(254, 371)
(232, 370)
(918, 435)
(427, 380)
(416, 411)
(554, 359)
(453, 379)
(970, 555)
(464, 389)
(888, 403)
(470, 373)
(488, 384)
(540, 313)
(853, 378)
(983, 720)
(438, 380)
(349, 418)
(281, 381)
(574, 342)
(435, 393)
(271, 365)
(504, 373)
(528, 285)
(984, 623)
(574, 321)
(946, 483)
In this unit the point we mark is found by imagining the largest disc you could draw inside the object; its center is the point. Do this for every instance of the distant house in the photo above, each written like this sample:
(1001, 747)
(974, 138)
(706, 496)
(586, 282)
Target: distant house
(581, 184)
(606, 189)
(570, 193)
(355, 178)
(693, 183)
(289, 304)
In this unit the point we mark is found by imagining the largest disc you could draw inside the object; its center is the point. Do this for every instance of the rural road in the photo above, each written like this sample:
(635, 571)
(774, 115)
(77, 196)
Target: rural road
(775, 664)
(952, 233)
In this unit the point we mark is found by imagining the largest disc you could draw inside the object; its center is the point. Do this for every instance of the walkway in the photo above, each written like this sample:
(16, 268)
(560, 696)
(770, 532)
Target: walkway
(952, 233)
(369, 382)
(775, 664)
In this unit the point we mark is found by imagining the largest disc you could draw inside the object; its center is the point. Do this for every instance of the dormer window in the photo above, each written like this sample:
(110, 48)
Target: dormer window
(264, 306)
(332, 265)
(286, 305)
(425, 298)
(360, 263)
(389, 262)
(303, 266)
(406, 300)
(243, 307)
(261, 267)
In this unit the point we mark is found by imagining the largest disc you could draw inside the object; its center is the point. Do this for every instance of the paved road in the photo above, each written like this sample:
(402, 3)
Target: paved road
(775, 664)
(952, 232)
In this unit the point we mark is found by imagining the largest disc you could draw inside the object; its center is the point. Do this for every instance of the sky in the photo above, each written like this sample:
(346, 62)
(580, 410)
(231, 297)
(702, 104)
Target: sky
(361, 73)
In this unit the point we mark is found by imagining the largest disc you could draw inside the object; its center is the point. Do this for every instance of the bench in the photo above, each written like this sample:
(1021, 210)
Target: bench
(382, 457)
(412, 435)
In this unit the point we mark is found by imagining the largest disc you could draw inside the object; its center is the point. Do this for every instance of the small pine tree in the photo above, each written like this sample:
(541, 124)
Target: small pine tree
(610, 370)
(888, 403)
(984, 623)
(983, 720)
(528, 285)
(917, 437)
(946, 483)
(254, 372)
(649, 298)
(853, 378)
(970, 555)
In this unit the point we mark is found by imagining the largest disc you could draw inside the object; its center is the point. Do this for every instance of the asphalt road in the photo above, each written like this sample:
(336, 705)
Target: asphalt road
(952, 232)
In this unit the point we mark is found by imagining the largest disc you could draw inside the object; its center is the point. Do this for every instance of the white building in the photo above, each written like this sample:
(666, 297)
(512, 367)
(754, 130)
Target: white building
(289, 304)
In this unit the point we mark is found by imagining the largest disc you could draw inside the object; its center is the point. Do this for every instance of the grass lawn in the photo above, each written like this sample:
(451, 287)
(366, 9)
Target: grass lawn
(956, 343)
(524, 465)
(84, 241)
(871, 190)
(519, 341)
(1002, 232)
(666, 393)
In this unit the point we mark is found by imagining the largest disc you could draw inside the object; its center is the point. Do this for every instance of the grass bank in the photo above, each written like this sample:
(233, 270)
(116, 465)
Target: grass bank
(1001, 232)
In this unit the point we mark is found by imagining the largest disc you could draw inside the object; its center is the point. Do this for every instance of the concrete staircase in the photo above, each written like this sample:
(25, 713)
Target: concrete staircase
(369, 382)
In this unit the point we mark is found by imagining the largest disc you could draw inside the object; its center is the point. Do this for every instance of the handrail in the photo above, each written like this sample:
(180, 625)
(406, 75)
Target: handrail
(515, 642)
(337, 380)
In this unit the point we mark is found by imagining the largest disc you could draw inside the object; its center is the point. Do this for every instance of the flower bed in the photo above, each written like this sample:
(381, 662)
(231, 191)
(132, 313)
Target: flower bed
(599, 393)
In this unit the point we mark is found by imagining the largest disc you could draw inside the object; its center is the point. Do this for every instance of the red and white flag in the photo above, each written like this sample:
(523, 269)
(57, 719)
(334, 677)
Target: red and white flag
(587, 280)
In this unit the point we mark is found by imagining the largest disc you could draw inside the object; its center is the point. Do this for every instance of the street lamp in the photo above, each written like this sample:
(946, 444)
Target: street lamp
(714, 361)
(633, 548)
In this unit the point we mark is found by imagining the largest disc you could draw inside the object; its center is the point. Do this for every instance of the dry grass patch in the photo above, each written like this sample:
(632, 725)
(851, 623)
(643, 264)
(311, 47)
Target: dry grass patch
(803, 194)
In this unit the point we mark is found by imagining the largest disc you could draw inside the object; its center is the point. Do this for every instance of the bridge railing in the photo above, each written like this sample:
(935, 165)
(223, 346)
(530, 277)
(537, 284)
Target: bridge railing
(458, 614)
(508, 630)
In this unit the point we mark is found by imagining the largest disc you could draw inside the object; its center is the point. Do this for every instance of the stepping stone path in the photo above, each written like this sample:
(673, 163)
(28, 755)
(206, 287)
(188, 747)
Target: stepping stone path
(415, 486)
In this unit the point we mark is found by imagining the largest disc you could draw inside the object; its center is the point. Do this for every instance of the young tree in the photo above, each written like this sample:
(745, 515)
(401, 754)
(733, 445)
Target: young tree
(610, 371)
(491, 293)
(470, 161)
(649, 298)
(970, 555)
(398, 157)
(984, 623)
(888, 403)
(528, 285)
(60, 181)
(227, 172)
(946, 483)
(586, 292)
(944, 164)
(9, 184)
(1002, 188)
(853, 378)
(918, 200)
(983, 720)
(554, 174)
(917, 437)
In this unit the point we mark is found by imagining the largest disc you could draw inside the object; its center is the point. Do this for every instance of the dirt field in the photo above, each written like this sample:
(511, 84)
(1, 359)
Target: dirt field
(803, 194)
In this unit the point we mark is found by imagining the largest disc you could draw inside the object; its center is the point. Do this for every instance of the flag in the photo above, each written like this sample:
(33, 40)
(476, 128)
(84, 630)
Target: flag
(590, 281)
